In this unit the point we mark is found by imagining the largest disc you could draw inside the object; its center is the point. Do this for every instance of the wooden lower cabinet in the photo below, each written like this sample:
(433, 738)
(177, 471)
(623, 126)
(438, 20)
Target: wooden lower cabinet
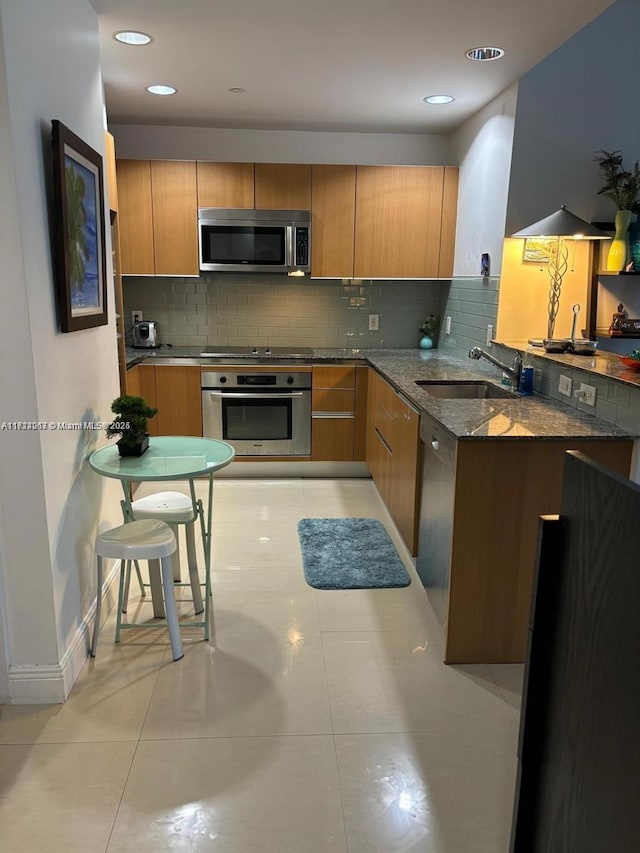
(333, 413)
(499, 491)
(175, 391)
(179, 400)
(404, 489)
(393, 455)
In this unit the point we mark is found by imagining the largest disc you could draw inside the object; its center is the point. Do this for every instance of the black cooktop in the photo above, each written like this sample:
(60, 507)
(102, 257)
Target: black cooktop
(217, 352)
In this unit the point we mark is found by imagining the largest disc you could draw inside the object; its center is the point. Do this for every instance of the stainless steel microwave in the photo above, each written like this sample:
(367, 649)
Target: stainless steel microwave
(240, 240)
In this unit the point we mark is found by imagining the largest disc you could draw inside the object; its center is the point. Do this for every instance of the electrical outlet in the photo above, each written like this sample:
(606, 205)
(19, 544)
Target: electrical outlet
(136, 316)
(489, 335)
(587, 394)
(565, 384)
(374, 322)
(447, 326)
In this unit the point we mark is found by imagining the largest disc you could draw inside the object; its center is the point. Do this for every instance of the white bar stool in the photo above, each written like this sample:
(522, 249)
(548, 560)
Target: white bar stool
(174, 508)
(147, 539)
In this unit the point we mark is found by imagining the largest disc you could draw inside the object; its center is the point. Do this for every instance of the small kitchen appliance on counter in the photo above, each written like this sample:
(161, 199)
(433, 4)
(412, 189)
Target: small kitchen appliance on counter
(146, 334)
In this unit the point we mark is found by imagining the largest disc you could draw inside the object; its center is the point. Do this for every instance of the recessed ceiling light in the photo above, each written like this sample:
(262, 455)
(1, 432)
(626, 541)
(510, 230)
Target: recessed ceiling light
(484, 54)
(157, 89)
(132, 37)
(237, 90)
(438, 99)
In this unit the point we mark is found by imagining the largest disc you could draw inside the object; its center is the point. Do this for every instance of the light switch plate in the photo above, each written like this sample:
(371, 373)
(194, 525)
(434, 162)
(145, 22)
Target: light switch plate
(565, 384)
(374, 322)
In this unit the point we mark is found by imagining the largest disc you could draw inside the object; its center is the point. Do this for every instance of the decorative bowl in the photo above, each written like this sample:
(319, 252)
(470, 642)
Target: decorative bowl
(582, 346)
(633, 363)
(556, 344)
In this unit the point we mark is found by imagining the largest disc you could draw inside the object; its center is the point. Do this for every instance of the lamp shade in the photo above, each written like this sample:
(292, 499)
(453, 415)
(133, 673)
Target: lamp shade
(562, 223)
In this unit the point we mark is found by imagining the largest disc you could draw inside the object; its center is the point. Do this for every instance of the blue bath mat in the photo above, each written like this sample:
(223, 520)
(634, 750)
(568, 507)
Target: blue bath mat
(349, 553)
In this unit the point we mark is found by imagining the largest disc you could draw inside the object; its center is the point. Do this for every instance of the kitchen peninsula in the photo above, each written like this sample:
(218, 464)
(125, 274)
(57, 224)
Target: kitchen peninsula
(479, 512)
(538, 416)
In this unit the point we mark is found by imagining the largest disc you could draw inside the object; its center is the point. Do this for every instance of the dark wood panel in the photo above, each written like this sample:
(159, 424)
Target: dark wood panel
(586, 796)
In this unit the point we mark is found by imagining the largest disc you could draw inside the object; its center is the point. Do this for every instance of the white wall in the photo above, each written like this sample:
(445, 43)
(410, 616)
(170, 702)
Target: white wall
(583, 97)
(50, 503)
(482, 147)
(280, 146)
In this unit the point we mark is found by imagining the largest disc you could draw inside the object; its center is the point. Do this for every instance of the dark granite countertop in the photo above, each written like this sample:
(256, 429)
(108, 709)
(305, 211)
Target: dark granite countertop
(601, 363)
(536, 417)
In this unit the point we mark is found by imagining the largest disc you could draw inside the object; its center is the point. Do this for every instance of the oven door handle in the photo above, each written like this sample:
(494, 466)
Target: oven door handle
(231, 395)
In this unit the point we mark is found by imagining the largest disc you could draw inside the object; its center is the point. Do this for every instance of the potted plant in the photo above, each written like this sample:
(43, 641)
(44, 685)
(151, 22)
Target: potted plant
(130, 422)
(429, 331)
(623, 188)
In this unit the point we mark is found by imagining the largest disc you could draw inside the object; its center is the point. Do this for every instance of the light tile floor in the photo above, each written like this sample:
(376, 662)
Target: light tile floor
(313, 722)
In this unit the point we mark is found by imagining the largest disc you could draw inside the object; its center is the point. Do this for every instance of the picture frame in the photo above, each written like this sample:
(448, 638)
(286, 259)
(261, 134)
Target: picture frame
(537, 250)
(79, 232)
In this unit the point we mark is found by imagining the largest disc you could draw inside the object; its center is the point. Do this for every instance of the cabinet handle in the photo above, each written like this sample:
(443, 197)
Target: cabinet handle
(381, 437)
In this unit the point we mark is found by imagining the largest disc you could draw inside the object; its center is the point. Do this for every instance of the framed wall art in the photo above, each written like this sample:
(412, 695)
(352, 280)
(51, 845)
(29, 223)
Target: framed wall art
(537, 250)
(79, 232)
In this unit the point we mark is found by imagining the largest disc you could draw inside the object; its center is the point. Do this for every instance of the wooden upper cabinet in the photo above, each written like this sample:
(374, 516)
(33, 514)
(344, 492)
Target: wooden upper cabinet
(225, 185)
(135, 217)
(333, 205)
(398, 221)
(175, 217)
(449, 220)
(282, 186)
(110, 171)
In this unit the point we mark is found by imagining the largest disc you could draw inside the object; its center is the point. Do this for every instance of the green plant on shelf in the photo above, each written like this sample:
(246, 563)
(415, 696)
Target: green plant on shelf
(430, 326)
(620, 185)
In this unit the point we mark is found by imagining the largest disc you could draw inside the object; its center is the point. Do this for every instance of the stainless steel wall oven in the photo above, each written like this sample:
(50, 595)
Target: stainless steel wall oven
(260, 412)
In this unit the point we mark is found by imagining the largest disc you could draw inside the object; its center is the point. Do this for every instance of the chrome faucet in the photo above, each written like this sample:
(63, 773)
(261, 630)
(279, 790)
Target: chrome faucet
(513, 372)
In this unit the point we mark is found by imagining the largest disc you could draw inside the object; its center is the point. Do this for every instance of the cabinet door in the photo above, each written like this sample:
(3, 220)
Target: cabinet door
(360, 425)
(110, 171)
(135, 217)
(333, 207)
(332, 438)
(333, 413)
(334, 376)
(225, 184)
(147, 390)
(178, 399)
(449, 220)
(175, 217)
(398, 221)
(378, 448)
(132, 386)
(403, 503)
(282, 186)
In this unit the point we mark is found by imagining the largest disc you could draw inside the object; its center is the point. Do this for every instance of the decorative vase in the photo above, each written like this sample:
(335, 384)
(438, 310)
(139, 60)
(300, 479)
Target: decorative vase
(426, 342)
(634, 243)
(133, 449)
(619, 249)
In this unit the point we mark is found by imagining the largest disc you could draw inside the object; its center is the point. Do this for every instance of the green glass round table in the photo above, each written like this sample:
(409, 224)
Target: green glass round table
(171, 457)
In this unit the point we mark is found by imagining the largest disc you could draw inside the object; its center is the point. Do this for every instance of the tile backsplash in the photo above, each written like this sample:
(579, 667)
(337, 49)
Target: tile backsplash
(277, 310)
(472, 304)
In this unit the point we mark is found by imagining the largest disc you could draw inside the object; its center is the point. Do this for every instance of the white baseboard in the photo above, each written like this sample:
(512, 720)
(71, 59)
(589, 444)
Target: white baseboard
(266, 470)
(42, 684)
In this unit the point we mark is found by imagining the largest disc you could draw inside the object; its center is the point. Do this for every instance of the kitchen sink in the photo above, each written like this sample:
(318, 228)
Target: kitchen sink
(464, 390)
